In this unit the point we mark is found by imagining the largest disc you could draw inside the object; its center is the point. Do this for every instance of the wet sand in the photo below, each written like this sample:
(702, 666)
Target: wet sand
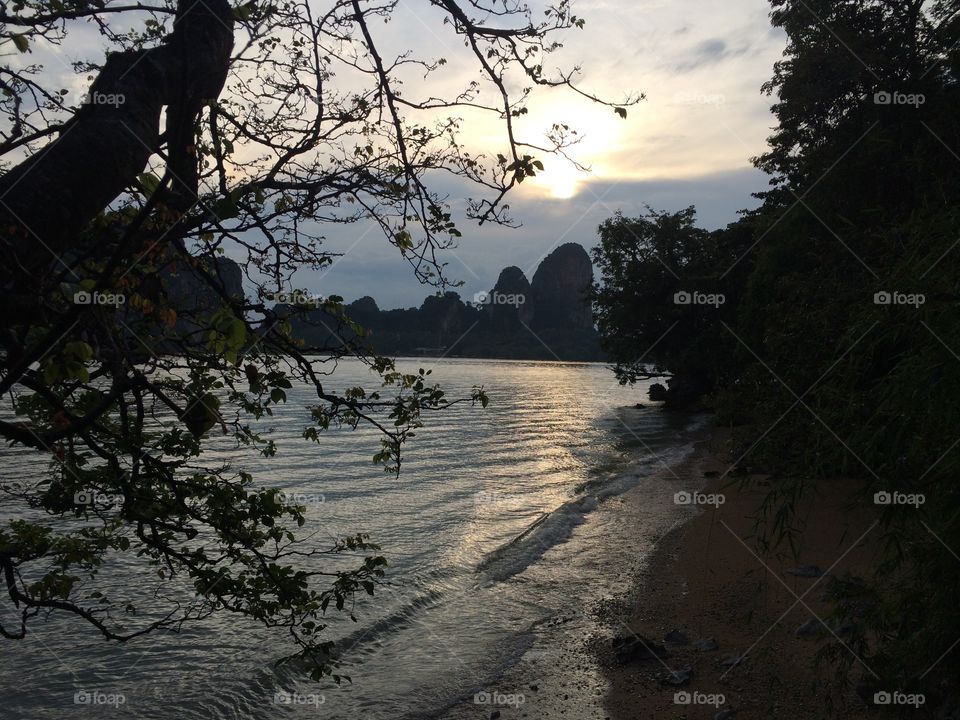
(704, 577)
(707, 579)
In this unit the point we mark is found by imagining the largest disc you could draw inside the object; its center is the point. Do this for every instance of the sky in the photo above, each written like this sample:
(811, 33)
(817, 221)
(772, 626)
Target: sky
(701, 65)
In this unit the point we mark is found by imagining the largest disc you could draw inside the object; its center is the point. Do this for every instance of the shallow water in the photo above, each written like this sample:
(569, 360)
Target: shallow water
(500, 523)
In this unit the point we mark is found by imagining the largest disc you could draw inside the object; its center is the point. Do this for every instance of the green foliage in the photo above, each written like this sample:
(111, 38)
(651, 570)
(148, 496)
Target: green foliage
(840, 353)
(654, 272)
(141, 346)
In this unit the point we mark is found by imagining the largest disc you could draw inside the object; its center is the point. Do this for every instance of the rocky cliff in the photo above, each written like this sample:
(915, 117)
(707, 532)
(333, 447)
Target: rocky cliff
(560, 288)
(547, 319)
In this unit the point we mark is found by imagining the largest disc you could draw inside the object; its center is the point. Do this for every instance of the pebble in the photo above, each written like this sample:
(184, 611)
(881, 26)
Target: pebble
(677, 677)
(706, 645)
(676, 637)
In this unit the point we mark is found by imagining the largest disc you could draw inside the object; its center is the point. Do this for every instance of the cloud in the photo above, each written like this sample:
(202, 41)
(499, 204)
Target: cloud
(710, 52)
(372, 267)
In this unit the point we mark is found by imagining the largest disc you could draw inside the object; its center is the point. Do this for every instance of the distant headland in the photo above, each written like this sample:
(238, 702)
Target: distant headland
(548, 318)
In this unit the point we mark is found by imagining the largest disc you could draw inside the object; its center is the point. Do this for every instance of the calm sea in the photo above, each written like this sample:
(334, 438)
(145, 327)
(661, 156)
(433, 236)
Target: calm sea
(502, 521)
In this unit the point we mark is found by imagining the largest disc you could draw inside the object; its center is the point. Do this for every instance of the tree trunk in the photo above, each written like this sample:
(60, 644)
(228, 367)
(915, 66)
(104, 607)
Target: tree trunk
(48, 200)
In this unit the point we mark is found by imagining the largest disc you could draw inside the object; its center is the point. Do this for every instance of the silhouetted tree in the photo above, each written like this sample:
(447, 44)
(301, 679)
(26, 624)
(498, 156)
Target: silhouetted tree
(212, 129)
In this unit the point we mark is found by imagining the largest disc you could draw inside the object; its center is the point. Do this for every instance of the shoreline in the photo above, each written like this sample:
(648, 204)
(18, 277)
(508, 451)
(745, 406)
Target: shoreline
(561, 675)
(696, 572)
(706, 580)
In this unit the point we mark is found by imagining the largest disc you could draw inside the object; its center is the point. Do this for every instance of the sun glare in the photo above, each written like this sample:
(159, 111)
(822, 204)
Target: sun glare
(560, 178)
(601, 132)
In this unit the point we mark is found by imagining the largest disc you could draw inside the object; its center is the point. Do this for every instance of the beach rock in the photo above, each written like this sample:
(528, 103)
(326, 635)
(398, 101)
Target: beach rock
(806, 571)
(494, 715)
(706, 645)
(725, 714)
(811, 628)
(657, 393)
(676, 678)
(635, 647)
(676, 638)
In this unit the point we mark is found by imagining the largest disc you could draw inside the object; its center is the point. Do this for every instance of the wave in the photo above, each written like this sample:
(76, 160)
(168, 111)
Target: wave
(399, 618)
(555, 527)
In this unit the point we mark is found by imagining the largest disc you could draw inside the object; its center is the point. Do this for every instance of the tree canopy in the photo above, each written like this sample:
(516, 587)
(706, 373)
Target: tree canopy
(837, 352)
(146, 230)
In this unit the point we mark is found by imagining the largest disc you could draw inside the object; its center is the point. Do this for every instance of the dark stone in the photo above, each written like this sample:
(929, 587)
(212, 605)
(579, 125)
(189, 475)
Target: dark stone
(364, 311)
(187, 290)
(706, 645)
(636, 647)
(657, 393)
(676, 637)
(676, 678)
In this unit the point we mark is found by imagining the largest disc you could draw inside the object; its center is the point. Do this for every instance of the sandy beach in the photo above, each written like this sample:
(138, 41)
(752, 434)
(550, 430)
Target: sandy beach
(708, 604)
(708, 581)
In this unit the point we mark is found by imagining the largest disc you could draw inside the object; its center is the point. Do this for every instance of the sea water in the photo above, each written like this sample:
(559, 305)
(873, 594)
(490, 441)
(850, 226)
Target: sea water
(502, 522)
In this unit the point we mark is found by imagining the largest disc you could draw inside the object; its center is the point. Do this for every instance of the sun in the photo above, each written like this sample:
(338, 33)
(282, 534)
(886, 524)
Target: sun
(560, 179)
(594, 141)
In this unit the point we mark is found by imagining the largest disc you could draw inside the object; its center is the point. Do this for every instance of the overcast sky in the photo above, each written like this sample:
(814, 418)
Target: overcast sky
(701, 64)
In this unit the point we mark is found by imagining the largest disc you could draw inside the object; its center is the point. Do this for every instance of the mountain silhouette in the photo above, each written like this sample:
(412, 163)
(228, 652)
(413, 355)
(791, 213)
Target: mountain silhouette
(547, 319)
